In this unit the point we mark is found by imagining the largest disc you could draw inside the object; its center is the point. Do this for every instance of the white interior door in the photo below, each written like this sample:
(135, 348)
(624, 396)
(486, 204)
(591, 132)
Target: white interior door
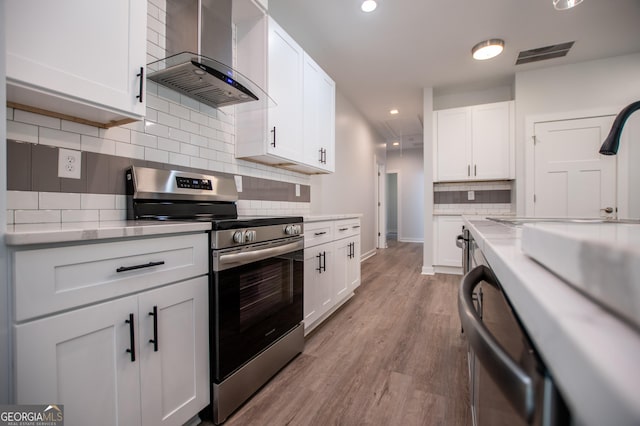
(571, 178)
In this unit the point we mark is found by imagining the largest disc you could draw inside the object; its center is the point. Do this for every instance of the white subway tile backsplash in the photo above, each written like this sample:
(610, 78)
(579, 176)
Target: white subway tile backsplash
(103, 146)
(37, 119)
(178, 110)
(22, 132)
(108, 215)
(198, 140)
(144, 139)
(179, 159)
(168, 145)
(10, 113)
(178, 135)
(155, 51)
(158, 103)
(59, 138)
(121, 202)
(156, 155)
(189, 103)
(199, 118)
(189, 126)
(22, 200)
(10, 219)
(97, 201)
(58, 200)
(36, 216)
(209, 154)
(168, 120)
(199, 163)
(83, 129)
(129, 150)
(154, 24)
(80, 216)
(189, 149)
(119, 134)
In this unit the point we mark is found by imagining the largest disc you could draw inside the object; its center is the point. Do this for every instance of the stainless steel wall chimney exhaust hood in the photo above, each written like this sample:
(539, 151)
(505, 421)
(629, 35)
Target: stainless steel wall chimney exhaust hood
(199, 49)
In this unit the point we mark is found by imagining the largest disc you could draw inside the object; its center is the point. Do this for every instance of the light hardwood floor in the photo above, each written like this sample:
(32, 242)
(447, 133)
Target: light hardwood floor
(393, 355)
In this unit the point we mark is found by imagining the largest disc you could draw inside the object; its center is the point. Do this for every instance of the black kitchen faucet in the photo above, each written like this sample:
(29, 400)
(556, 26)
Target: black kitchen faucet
(611, 143)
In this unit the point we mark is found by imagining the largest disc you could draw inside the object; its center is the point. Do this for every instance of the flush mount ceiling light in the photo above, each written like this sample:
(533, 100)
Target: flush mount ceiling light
(368, 5)
(487, 49)
(395, 143)
(393, 112)
(565, 4)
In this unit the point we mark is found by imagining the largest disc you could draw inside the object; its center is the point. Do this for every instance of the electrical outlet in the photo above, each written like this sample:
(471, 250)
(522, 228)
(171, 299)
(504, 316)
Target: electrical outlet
(471, 195)
(238, 180)
(69, 163)
(297, 189)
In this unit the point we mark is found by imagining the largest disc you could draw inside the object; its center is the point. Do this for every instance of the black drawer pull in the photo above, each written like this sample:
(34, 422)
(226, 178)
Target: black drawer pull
(356, 226)
(154, 314)
(132, 339)
(144, 265)
(319, 233)
(343, 229)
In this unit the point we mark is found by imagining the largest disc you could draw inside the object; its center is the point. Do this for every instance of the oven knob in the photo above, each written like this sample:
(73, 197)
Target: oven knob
(238, 237)
(249, 236)
(290, 230)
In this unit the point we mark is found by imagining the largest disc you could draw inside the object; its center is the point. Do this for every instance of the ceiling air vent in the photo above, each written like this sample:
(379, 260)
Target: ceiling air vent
(543, 53)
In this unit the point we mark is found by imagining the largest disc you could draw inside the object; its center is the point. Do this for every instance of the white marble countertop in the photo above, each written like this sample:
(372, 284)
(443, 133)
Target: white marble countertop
(51, 233)
(591, 354)
(320, 218)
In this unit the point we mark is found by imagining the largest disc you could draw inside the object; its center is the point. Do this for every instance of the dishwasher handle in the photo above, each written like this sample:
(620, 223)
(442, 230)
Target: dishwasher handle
(516, 385)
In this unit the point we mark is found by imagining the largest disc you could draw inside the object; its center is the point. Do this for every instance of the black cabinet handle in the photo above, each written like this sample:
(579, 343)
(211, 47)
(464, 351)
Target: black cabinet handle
(132, 339)
(320, 151)
(356, 226)
(273, 144)
(319, 233)
(343, 229)
(141, 75)
(154, 314)
(319, 268)
(474, 170)
(144, 265)
(324, 261)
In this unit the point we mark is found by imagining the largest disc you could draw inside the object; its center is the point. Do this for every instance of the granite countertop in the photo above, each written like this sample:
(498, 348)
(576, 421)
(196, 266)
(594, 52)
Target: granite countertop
(51, 233)
(320, 218)
(591, 354)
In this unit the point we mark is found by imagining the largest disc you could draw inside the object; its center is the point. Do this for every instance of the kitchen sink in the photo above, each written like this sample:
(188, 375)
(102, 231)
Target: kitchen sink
(523, 220)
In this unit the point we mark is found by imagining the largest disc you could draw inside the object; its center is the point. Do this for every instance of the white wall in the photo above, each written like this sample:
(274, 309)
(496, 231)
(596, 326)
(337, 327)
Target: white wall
(459, 97)
(427, 249)
(4, 278)
(607, 83)
(351, 189)
(410, 167)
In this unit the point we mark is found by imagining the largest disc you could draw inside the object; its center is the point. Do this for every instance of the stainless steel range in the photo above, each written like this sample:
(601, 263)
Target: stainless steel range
(256, 278)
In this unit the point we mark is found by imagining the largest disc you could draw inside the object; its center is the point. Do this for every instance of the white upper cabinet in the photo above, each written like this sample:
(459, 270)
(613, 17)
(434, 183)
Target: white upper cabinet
(78, 58)
(297, 130)
(475, 143)
(319, 96)
(285, 88)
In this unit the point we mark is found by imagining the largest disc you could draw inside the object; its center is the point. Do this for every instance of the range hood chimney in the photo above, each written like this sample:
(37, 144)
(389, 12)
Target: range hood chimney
(199, 49)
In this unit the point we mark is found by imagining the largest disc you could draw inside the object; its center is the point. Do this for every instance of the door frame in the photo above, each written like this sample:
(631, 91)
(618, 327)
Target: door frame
(622, 162)
(398, 201)
(381, 206)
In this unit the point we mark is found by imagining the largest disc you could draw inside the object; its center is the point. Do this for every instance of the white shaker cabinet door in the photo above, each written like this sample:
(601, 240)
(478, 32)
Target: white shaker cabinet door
(72, 56)
(491, 141)
(285, 87)
(453, 144)
(80, 359)
(174, 352)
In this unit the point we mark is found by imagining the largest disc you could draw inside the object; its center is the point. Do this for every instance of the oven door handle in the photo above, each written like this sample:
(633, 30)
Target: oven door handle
(232, 260)
(515, 384)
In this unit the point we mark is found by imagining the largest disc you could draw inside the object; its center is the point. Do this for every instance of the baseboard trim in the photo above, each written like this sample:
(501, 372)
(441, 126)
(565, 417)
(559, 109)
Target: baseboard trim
(367, 255)
(411, 240)
(453, 270)
(428, 270)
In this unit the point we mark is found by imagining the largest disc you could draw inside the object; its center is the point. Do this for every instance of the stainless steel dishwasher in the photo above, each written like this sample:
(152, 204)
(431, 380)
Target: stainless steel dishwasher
(509, 384)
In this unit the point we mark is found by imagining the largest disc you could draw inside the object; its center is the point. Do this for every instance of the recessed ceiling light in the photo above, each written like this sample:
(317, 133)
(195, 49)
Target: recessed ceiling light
(487, 49)
(393, 111)
(368, 5)
(395, 143)
(565, 4)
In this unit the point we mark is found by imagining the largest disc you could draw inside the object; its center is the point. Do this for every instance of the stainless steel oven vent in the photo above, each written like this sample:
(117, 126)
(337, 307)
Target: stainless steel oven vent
(544, 53)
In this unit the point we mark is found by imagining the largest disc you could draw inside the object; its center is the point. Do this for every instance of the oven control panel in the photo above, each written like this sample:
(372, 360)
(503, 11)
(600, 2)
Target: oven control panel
(193, 183)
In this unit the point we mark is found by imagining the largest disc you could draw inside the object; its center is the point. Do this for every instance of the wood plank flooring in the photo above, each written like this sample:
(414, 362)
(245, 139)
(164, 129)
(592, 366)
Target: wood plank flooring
(393, 355)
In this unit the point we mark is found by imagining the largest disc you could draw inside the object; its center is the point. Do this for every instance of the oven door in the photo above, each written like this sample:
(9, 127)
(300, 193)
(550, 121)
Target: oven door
(255, 298)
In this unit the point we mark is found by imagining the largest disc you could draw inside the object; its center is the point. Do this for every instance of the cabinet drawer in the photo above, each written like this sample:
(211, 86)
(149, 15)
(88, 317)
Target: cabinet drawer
(53, 279)
(317, 233)
(347, 228)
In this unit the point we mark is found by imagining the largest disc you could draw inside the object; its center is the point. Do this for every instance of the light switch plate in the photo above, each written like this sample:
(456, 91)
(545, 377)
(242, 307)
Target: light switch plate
(69, 163)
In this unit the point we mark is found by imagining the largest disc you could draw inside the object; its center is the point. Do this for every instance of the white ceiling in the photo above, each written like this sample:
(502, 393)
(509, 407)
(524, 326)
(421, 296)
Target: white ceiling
(382, 60)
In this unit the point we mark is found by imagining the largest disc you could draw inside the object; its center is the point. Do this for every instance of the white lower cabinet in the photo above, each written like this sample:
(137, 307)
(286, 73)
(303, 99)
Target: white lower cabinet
(446, 229)
(331, 267)
(138, 359)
